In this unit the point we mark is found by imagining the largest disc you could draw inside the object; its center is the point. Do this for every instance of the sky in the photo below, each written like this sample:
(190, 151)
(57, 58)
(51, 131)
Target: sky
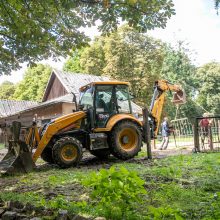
(196, 22)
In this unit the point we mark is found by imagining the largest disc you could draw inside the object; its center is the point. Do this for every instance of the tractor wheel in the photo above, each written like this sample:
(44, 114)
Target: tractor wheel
(47, 155)
(126, 140)
(102, 154)
(67, 152)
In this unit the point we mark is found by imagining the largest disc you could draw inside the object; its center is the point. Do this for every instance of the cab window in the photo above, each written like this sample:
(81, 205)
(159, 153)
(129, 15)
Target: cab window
(86, 98)
(123, 99)
(104, 104)
(104, 97)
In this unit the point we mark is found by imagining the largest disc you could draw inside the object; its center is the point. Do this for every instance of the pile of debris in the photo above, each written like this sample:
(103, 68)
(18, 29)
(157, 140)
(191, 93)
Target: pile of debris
(14, 210)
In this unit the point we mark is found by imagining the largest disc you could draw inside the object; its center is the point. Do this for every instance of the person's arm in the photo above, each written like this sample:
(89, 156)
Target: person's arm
(200, 123)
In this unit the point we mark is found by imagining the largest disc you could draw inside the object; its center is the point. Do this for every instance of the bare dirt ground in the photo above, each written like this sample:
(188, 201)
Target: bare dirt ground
(91, 162)
(171, 152)
(155, 154)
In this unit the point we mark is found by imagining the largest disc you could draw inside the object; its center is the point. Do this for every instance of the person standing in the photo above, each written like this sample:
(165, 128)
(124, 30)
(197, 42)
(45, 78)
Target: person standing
(205, 129)
(165, 134)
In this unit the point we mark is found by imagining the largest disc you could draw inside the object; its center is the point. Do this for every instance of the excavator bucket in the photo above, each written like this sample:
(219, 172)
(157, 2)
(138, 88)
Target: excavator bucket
(179, 97)
(19, 158)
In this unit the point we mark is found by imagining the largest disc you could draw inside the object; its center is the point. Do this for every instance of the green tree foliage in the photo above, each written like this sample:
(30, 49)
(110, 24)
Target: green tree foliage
(125, 55)
(89, 60)
(93, 58)
(7, 90)
(209, 87)
(35, 30)
(136, 58)
(177, 66)
(131, 56)
(73, 63)
(34, 83)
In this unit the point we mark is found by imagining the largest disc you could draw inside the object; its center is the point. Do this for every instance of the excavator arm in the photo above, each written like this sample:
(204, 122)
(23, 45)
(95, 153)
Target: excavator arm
(158, 100)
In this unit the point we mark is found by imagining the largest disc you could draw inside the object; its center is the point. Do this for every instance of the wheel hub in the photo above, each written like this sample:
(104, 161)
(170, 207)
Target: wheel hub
(125, 140)
(69, 153)
(128, 139)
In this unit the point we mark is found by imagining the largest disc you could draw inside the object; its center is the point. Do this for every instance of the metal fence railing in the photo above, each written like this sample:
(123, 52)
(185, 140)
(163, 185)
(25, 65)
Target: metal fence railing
(182, 132)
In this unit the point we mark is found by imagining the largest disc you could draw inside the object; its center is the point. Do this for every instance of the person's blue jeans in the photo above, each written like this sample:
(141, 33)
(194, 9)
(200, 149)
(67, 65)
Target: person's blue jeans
(164, 143)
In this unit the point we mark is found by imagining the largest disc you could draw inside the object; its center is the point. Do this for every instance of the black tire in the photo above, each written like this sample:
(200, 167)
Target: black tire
(125, 140)
(67, 152)
(47, 155)
(102, 154)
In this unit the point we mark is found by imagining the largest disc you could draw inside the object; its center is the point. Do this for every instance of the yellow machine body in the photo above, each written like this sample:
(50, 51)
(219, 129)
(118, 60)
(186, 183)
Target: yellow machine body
(115, 119)
(94, 128)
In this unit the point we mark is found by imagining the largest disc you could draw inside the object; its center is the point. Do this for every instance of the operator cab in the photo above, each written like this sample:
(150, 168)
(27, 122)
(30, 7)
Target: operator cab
(104, 99)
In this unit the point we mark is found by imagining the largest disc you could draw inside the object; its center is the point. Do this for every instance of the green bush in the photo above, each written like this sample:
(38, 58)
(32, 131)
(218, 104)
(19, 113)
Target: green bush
(117, 192)
(164, 213)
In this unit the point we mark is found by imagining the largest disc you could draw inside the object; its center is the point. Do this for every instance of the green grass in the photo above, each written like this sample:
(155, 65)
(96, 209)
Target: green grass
(179, 187)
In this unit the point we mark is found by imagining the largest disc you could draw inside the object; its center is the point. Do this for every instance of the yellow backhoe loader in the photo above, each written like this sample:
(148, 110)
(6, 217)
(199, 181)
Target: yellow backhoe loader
(103, 123)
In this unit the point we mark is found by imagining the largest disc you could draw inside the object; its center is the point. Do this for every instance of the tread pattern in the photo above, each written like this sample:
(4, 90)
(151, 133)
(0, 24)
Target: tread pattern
(115, 148)
(57, 151)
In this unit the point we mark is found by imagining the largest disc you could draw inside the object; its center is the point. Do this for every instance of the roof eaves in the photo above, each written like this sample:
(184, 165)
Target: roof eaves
(9, 107)
(36, 107)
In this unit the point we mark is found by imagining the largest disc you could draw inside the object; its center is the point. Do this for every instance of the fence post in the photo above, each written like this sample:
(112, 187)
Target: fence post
(196, 136)
(146, 130)
(210, 138)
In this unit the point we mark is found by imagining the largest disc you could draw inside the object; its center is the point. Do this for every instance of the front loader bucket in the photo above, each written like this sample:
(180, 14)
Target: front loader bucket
(179, 97)
(17, 160)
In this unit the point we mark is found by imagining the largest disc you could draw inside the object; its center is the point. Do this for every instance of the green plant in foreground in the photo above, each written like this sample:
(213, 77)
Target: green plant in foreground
(117, 191)
(164, 213)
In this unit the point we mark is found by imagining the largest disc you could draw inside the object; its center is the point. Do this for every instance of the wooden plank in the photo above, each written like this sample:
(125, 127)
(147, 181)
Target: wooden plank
(55, 90)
